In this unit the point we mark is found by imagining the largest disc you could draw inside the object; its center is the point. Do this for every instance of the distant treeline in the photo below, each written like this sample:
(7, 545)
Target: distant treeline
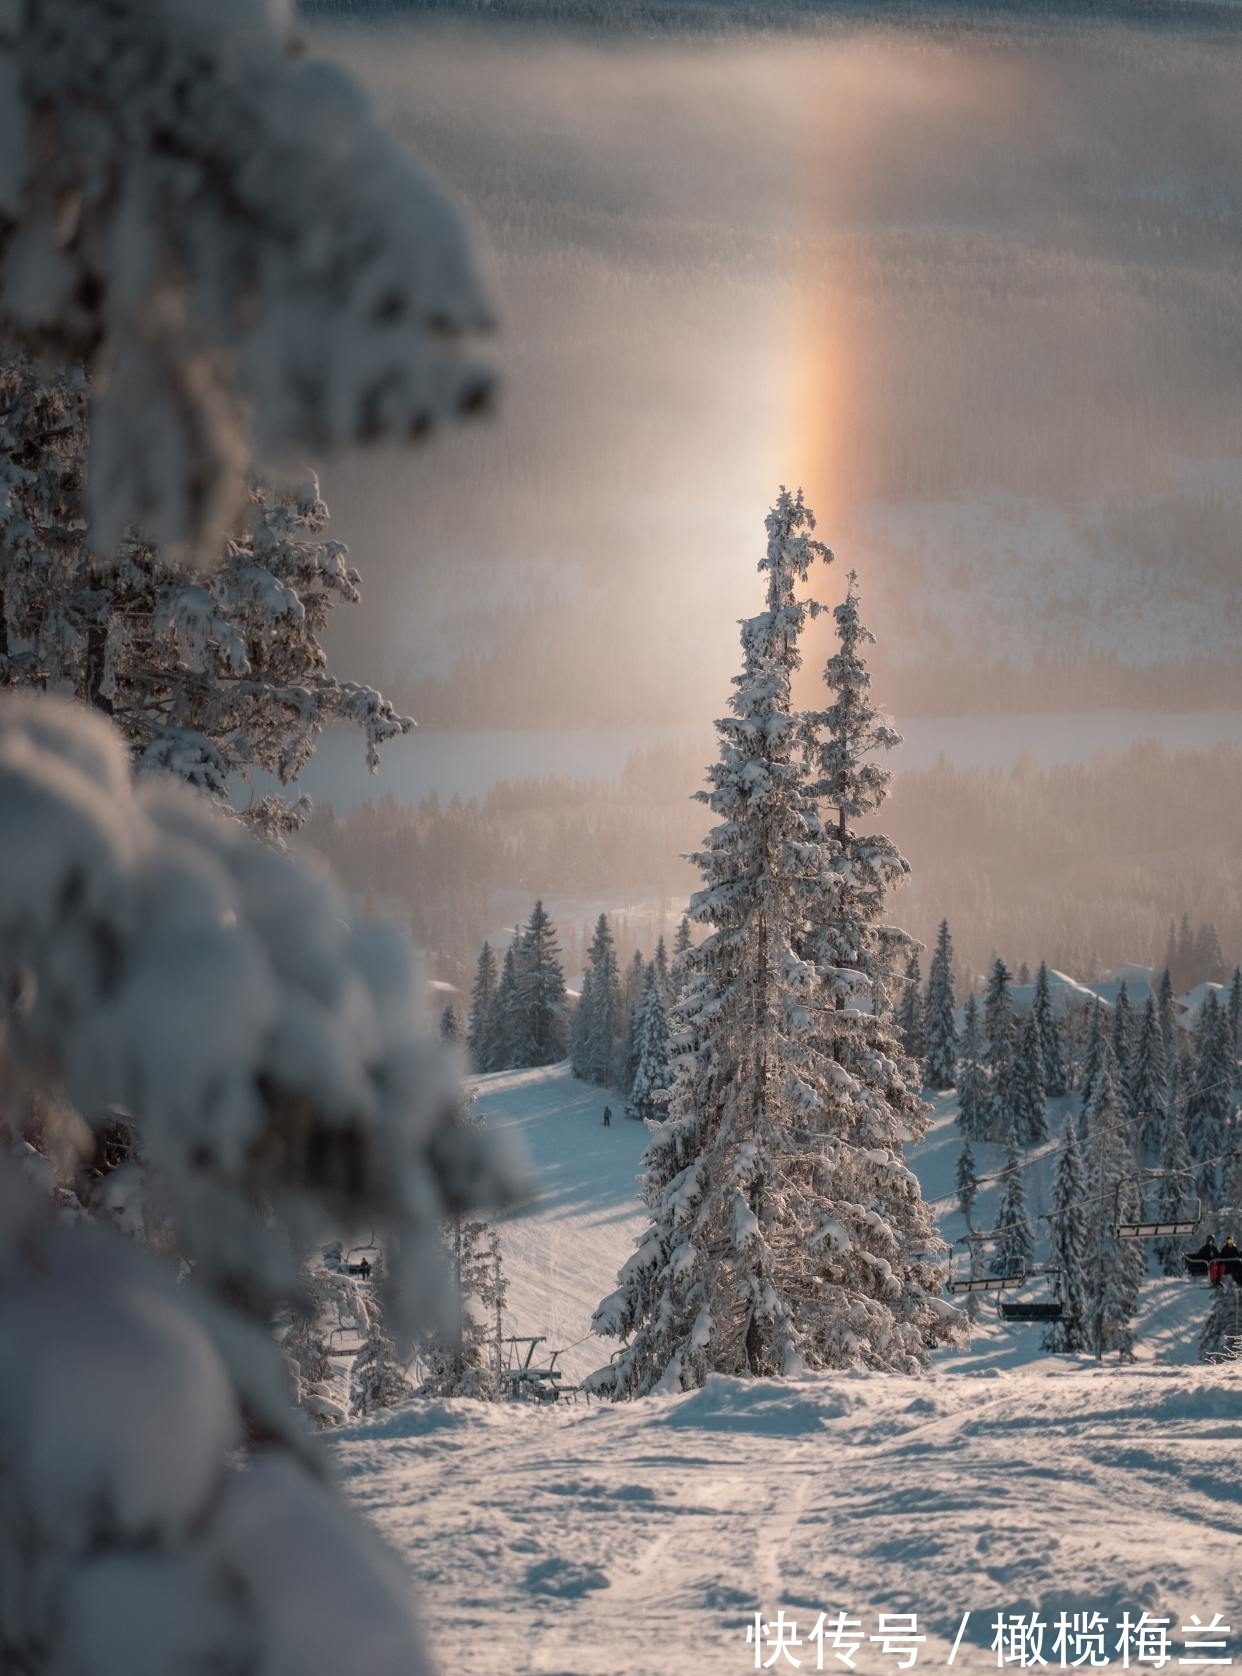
(1084, 864)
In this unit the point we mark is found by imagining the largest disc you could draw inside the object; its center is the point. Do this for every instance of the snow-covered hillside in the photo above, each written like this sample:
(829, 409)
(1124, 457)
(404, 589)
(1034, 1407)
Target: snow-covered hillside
(640, 1538)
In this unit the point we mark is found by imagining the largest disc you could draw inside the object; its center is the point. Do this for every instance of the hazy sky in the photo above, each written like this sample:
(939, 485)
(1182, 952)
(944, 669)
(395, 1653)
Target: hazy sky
(980, 294)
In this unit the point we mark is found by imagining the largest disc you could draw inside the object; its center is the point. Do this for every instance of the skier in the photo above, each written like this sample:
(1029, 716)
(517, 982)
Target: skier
(607, 1117)
(1229, 1262)
(1197, 1262)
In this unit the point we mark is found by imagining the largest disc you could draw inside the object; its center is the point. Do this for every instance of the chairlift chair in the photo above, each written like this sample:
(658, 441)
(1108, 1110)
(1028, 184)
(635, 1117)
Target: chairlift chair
(1049, 1308)
(1010, 1272)
(360, 1259)
(1149, 1224)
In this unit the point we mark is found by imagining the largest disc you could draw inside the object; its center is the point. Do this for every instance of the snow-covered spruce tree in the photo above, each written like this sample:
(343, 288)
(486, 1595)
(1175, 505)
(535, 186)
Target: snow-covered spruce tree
(1056, 1079)
(1145, 1088)
(909, 1016)
(939, 1026)
(478, 1028)
(1093, 1061)
(1209, 1101)
(1234, 1011)
(1027, 1101)
(967, 1182)
(786, 1230)
(1000, 1033)
(1015, 1246)
(1166, 1012)
(272, 1064)
(974, 1098)
(210, 675)
(653, 1073)
(540, 1022)
(664, 975)
(1072, 1333)
(683, 942)
(1123, 1033)
(603, 1020)
(212, 165)
(1114, 1265)
(631, 1000)
(504, 1027)
(1177, 1187)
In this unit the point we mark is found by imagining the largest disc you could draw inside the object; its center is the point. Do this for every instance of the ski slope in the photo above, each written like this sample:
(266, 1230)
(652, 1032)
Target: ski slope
(639, 1539)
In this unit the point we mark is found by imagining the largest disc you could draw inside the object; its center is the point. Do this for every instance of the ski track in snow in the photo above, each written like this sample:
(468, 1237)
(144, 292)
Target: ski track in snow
(638, 1539)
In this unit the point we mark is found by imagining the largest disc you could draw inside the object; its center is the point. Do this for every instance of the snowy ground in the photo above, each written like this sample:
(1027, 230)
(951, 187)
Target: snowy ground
(641, 1538)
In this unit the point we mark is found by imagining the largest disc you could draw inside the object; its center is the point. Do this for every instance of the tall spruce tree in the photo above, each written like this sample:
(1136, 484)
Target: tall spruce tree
(1122, 1033)
(653, 1071)
(539, 995)
(974, 1103)
(1145, 1086)
(1234, 1009)
(504, 1024)
(601, 1011)
(1000, 1040)
(1176, 1186)
(482, 995)
(1166, 1013)
(1093, 1061)
(1114, 1264)
(787, 1230)
(1027, 1101)
(909, 1017)
(939, 1026)
(1209, 1102)
(1052, 1048)
(967, 1183)
(1072, 1332)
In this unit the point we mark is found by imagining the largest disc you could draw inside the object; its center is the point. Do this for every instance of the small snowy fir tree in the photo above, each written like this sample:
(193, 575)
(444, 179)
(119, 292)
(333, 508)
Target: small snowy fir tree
(582, 1028)
(653, 1074)
(1052, 1047)
(939, 1026)
(378, 1377)
(1072, 1333)
(787, 1230)
(909, 1016)
(450, 1024)
(479, 1043)
(974, 1100)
